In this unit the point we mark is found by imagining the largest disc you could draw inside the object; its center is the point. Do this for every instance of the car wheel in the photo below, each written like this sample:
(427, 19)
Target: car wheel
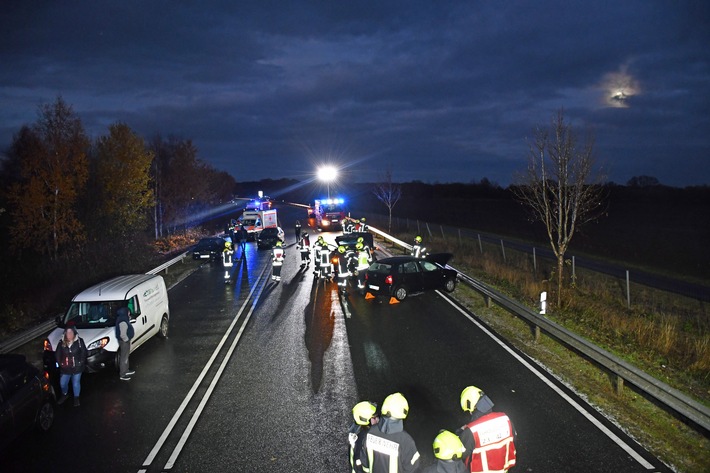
(45, 416)
(400, 293)
(450, 285)
(164, 327)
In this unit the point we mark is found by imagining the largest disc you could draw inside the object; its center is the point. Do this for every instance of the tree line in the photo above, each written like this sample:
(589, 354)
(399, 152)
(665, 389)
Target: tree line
(67, 200)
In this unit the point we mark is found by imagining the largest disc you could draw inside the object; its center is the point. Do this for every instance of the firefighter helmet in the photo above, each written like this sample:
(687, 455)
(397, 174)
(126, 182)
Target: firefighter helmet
(360, 239)
(395, 406)
(227, 245)
(341, 249)
(359, 246)
(447, 446)
(279, 244)
(469, 398)
(362, 219)
(363, 412)
(417, 239)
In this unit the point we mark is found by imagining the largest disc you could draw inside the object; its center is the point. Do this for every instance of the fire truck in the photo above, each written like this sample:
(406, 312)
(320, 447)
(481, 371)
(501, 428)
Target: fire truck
(256, 220)
(329, 213)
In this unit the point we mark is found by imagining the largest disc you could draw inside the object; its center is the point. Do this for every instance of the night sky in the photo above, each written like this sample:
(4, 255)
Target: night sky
(438, 91)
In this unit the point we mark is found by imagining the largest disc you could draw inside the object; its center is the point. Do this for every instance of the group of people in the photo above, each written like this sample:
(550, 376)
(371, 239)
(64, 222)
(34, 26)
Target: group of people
(380, 444)
(351, 225)
(71, 356)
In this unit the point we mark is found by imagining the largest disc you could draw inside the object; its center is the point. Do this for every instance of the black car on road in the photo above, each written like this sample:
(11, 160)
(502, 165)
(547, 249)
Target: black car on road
(208, 248)
(269, 236)
(401, 276)
(26, 398)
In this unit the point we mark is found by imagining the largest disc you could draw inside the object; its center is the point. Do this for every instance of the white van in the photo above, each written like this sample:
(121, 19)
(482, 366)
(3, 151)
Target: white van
(93, 314)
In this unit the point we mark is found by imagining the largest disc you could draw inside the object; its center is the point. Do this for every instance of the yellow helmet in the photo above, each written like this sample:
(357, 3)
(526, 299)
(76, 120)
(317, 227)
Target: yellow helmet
(341, 249)
(279, 244)
(469, 398)
(227, 244)
(360, 239)
(418, 239)
(358, 246)
(447, 446)
(363, 219)
(395, 406)
(363, 412)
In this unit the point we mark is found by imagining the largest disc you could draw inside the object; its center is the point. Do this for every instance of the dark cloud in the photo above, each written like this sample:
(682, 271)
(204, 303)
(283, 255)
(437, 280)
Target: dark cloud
(438, 91)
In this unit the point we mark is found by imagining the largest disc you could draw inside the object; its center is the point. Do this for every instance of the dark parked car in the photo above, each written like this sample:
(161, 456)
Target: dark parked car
(26, 398)
(400, 276)
(349, 240)
(209, 248)
(269, 236)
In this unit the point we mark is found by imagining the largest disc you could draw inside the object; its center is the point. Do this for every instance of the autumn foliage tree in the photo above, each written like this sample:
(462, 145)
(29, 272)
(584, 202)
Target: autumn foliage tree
(123, 177)
(51, 156)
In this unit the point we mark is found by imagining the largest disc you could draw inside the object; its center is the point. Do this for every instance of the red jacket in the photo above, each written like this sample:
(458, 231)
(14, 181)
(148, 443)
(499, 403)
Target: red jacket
(494, 448)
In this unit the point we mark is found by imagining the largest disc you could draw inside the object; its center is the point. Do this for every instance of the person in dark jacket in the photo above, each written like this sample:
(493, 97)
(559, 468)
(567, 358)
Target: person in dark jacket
(365, 416)
(71, 358)
(124, 334)
(387, 447)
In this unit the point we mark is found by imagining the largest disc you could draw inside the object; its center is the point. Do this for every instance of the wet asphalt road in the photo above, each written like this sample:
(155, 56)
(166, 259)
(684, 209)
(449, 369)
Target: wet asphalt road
(260, 377)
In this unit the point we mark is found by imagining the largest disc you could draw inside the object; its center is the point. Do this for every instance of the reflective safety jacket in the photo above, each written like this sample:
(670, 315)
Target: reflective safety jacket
(494, 449)
(363, 260)
(393, 452)
(418, 251)
(278, 256)
(356, 435)
(227, 259)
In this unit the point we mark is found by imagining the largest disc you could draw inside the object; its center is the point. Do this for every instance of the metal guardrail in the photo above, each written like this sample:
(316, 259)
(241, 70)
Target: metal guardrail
(28, 335)
(623, 371)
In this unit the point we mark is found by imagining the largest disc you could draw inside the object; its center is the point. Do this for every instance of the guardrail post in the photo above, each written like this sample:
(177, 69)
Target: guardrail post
(442, 232)
(428, 229)
(502, 247)
(536, 333)
(628, 291)
(488, 301)
(480, 245)
(618, 384)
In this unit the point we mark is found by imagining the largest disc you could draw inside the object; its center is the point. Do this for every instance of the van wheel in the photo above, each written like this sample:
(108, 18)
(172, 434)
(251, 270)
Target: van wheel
(164, 327)
(400, 293)
(45, 417)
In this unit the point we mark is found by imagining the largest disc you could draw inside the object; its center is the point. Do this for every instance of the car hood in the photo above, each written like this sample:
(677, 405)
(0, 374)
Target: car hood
(441, 259)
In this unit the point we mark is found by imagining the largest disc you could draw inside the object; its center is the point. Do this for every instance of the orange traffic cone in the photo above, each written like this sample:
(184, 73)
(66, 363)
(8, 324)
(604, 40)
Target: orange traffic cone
(393, 300)
(369, 296)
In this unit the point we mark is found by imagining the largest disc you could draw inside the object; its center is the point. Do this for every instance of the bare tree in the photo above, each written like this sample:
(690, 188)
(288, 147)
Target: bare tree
(389, 194)
(561, 186)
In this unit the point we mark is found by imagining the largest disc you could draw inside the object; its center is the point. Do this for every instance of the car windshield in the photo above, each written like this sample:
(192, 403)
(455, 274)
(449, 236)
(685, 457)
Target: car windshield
(93, 314)
(380, 268)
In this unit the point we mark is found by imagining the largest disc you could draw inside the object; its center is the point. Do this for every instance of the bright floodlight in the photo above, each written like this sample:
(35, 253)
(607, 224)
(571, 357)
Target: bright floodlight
(327, 173)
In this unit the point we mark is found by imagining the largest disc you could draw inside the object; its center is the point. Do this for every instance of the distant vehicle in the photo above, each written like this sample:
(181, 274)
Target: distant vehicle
(263, 203)
(328, 214)
(256, 221)
(401, 276)
(93, 313)
(209, 248)
(26, 399)
(269, 236)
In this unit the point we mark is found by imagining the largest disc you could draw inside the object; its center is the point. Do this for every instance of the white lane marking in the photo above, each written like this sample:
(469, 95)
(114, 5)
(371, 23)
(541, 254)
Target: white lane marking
(555, 388)
(163, 437)
(217, 376)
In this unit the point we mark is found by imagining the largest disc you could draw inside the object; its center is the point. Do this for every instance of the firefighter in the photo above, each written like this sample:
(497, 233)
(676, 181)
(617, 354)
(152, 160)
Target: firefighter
(324, 265)
(448, 451)
(298, 230)
(348, 226)
(227, 260)
(343, 270)
(489, 437)
(387, 447)
(418, 250)
(363, 262)
(364, 414)
(278, 255)
(304, 246)
(363, 225)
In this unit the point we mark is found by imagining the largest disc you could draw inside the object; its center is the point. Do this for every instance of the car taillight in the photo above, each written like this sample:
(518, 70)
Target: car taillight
(46, 386)
(47, 345)
(388, 279)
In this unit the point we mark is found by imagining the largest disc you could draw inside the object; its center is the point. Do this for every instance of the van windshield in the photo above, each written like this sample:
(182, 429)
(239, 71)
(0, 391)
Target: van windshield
(93, 314)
